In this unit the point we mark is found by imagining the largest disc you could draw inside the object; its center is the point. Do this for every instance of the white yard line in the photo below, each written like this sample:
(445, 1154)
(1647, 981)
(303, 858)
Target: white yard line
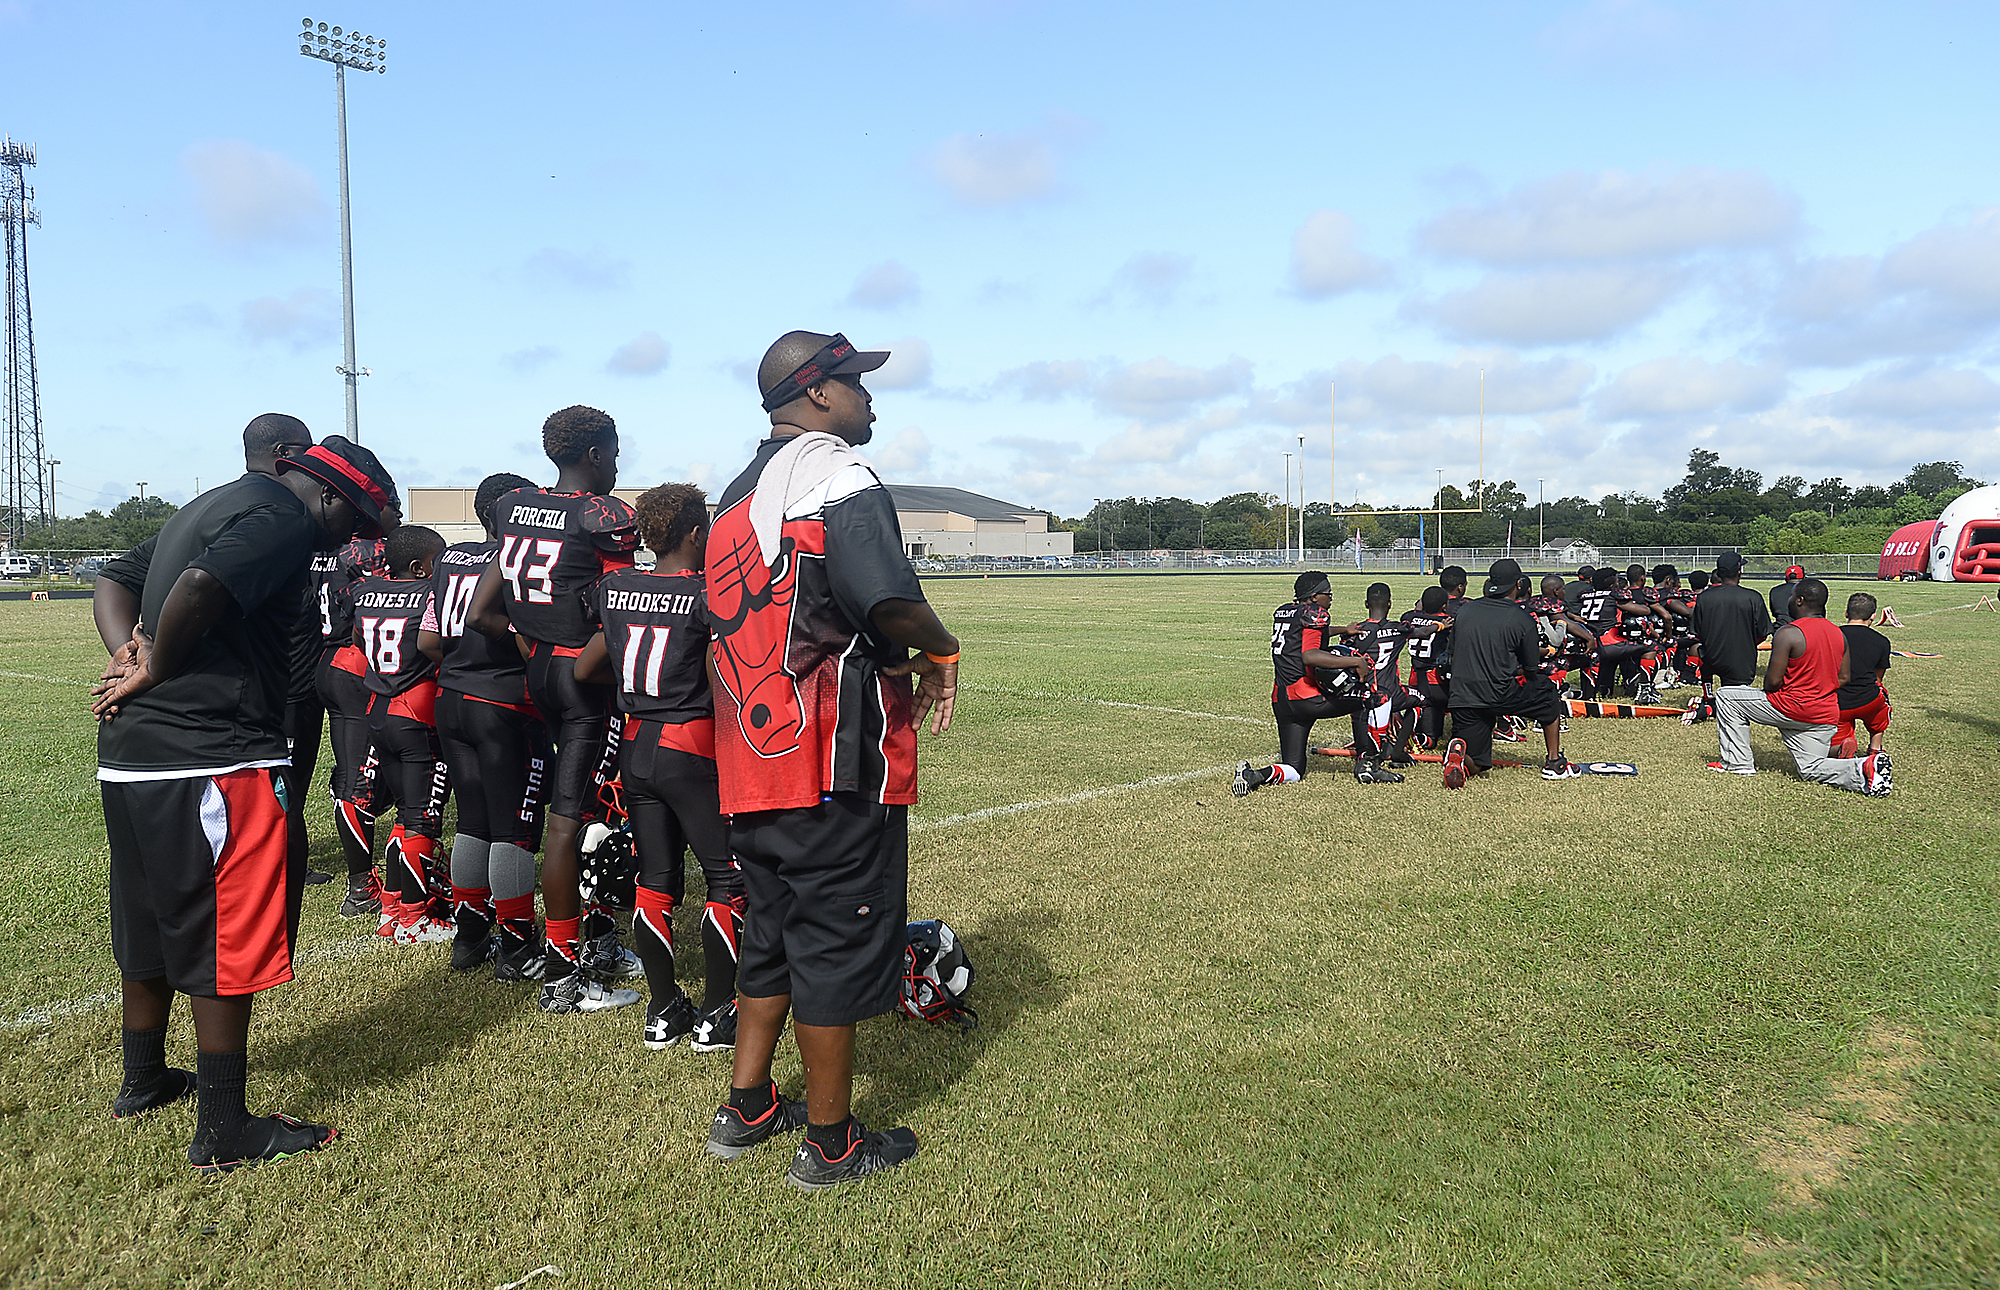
(1088, 795)
(52, 680)
(1926, 613)
(1056, 697)
(1156, 652)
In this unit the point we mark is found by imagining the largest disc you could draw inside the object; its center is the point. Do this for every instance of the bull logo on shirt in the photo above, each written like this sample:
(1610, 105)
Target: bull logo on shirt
(750, 606)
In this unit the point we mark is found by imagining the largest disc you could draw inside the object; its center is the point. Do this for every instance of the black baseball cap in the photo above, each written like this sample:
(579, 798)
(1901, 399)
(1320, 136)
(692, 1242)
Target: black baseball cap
(353, 472)
(1504, 574)
(1729, 562)
(837, 357)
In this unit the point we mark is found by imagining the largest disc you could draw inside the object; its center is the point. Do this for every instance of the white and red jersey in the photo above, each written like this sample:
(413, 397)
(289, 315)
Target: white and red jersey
(553, 549)
(804, 709)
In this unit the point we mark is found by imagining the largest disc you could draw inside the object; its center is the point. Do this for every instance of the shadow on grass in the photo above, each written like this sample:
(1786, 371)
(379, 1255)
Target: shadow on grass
(913, 1063)
(1973, 721)
(420, 1023)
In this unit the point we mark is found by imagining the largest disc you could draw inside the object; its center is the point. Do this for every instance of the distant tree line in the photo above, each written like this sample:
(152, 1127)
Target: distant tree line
(130, 522)
(1713, 505)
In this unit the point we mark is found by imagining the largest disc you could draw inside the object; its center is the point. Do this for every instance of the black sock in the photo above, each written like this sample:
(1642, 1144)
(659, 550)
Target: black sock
(720, 986)
(220, 1113)
(754, 1103)
(597, 921)
(831, 1139)
(145, 1059)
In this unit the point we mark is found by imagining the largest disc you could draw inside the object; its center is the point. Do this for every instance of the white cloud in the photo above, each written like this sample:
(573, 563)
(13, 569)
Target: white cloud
(1159, 389)
(643, 356)
(909, 455)
(1617, 37)
(1046, 381)
(884, 286)
(1325, 259)
(1552, 307)
(1904, 396)
(248, 196)
(1616, 216)
(908, 368)
(305, 317)
(1684, 385)
(1935, 293)
(531, 359)
(988, 170)
(592, 270)
(1152, 277)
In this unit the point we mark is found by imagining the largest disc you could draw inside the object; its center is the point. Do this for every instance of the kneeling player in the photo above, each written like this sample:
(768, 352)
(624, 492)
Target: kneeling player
(402, 716)
(1299, 696)
(654, 645)
(1385, 732)
(1864, 698)
(1430, 663)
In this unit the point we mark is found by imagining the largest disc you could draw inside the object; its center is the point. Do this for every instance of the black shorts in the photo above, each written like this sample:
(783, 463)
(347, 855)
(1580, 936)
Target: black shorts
(202, 890)
(346, 697)
(672, 798)
(1537, 699)
(412, 765)
(499, 762)
(827, 920)
(578, 717)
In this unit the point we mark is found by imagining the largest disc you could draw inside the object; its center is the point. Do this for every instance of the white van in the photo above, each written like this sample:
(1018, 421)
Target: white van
(16, 565)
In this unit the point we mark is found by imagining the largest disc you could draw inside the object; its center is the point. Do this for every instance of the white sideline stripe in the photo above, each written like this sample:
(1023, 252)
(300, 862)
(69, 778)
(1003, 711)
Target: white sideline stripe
(1926, 613)
(52, 680)
(1107, 703)
(48, 1013)
(1126, 649)
(1088, 795)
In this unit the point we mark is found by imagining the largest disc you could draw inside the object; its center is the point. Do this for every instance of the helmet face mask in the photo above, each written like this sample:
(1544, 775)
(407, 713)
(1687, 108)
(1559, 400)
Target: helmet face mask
(936, 974)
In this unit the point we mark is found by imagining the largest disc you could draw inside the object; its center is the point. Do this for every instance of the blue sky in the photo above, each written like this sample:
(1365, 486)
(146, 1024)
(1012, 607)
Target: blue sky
(1118, 249)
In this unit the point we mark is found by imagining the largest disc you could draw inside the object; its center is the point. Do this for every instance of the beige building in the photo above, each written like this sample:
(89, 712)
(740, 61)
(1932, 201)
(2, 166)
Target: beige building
(936, 521)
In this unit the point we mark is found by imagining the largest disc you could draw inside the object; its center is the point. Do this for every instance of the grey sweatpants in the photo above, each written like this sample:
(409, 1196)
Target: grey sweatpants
(1736, 706)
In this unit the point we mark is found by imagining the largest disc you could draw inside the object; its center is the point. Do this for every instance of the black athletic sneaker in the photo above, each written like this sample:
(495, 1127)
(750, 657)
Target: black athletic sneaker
(1560, 768)
(1374, 772)
(475, 943)
(285, 1138)
(364, 898)
(515, 960)
(867, 1153)
(669, 1020)
(173, 1085)
(716, 1031)
(314, 877)
(1647, 697)
(603, 959)
(1242, 787)
(730, 1135)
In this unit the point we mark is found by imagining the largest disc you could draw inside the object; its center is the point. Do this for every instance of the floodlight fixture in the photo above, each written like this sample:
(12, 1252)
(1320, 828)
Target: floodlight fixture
(345, 48)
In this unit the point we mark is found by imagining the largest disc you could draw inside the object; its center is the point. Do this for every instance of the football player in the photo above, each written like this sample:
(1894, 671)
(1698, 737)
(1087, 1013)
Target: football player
(1384, 735)
(1430, 659)
(358, 795)
(654, 647)
(1311, 683)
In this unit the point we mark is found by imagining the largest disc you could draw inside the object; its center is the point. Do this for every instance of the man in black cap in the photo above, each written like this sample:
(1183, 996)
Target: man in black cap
(1730, 621)
(192, 758)
(814, 607)
(1497, 672)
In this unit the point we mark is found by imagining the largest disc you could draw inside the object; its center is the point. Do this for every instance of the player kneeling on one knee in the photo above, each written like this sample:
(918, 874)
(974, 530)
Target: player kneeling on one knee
(1311, 683)
(1497, 672)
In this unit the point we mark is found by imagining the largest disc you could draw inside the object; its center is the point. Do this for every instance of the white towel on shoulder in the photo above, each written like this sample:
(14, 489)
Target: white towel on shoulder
(802, 465)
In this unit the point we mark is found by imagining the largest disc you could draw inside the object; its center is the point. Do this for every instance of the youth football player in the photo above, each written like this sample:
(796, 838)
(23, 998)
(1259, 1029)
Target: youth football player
(654, 646)
(343, 689)
(555, 544)
(1864, 698)
(1430, 657)
(1312, 683)
(496, 749)
(1380, 639)
(402, 715)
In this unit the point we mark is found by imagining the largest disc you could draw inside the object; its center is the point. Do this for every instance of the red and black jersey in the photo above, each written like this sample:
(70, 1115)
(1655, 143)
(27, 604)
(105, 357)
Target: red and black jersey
(388, 612)
(1433, 652)
(1598, 610)
(1637, 626)
(333, 579)
(1296, 626)
(1546, 606)
(474, 663)
(804, 709)
(553, 549)
(656, 630)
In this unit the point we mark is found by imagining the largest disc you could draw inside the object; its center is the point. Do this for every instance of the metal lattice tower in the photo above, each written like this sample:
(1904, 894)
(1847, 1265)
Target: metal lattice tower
(27, 495)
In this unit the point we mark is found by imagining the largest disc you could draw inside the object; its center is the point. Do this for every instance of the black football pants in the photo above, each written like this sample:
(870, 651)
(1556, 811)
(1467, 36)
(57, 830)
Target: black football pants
(1295, 722)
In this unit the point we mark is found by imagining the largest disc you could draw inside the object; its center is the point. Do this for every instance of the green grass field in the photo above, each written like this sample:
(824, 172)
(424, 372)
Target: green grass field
(1687, 1030)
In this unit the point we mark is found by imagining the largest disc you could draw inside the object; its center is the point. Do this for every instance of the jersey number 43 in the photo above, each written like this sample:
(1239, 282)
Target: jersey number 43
(528, 565)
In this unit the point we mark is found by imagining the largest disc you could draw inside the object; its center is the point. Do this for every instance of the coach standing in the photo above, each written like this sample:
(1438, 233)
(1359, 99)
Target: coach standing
(192, 758)
(1496, 671)
(1730, 620)
(813, 604)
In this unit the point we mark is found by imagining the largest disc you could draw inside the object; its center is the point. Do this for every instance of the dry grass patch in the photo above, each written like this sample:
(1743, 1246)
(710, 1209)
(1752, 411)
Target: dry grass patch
(1819, 1144)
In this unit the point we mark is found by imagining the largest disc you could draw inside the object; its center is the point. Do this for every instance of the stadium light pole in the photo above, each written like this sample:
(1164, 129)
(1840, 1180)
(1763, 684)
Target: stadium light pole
(1284, 510)
(345, 49)
(1439, 499)
(52, 463)
(142, 501)
(1541, 529)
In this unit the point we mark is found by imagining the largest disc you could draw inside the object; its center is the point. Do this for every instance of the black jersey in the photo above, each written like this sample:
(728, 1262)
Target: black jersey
(225, 708)
(333, 579)
(1637, 626)
(1298, 626)
(1598, 609)
(388, 613)
(474, 663)
(656, 630)
(553, 549)
(1381, 642)
(1433, 652)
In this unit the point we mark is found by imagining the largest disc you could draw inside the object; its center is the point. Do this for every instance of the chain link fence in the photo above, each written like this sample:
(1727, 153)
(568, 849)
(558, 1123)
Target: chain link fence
(57, 567)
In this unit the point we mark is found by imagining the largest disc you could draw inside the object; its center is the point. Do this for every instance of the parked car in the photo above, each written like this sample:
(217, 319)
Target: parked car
(18, 565)
(90, 566)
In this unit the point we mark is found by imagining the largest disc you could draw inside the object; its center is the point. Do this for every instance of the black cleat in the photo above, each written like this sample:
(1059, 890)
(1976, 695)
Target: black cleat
(1374, 772)
(605, 961)
(364, 898)
(669, 1020)
(730, 1135)
(867, 1153)
(716, 1031)
(1242, 787)
(173, 1085)
(314, 877)
(276, 1137)
(519, 960)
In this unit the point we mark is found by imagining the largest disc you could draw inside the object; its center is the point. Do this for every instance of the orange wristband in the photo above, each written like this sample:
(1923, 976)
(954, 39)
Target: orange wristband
(941, 658)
